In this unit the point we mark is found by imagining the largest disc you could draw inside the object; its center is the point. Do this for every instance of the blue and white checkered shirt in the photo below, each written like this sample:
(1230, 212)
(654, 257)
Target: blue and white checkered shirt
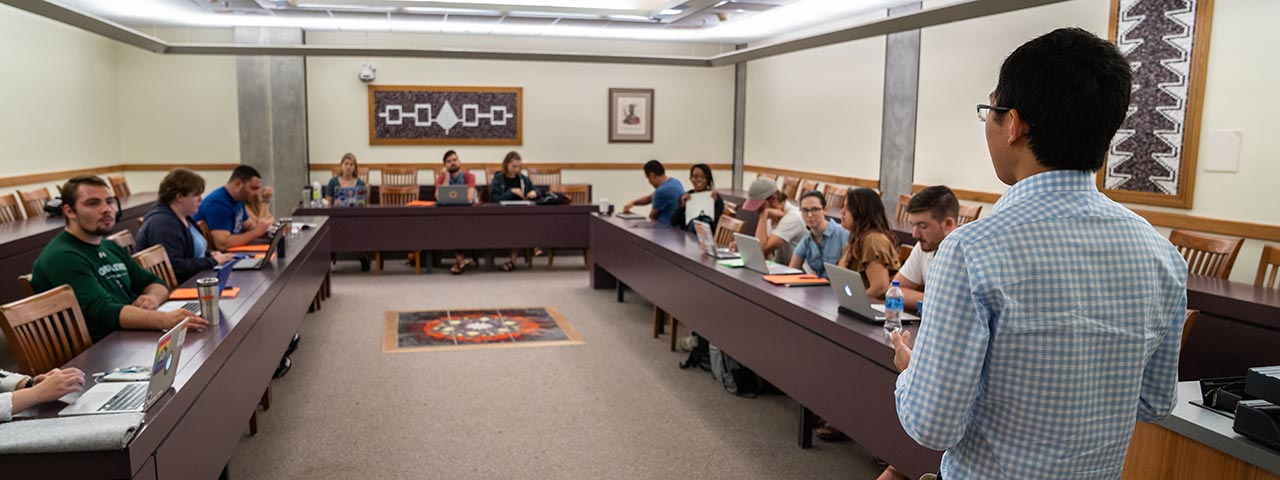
(1050, 327)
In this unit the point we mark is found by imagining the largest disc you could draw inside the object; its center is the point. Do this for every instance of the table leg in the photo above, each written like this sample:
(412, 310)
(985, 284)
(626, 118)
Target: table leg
(806, 428)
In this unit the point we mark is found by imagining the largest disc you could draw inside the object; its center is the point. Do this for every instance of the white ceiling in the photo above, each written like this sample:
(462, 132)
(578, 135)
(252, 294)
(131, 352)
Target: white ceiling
(729, 21)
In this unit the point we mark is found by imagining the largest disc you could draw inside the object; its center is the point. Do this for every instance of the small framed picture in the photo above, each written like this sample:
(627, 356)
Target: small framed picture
(631, 115)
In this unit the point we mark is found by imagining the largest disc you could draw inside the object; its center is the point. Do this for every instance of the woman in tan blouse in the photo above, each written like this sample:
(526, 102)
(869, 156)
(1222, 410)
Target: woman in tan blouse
(871, 250)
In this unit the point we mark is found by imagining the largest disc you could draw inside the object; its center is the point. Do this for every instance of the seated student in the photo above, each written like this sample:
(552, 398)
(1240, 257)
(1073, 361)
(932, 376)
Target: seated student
(19, 392)
(453, 174)
(826, 239)
(932, 214)
(224, 210)
(666, 193)
(114, 292)
(510, 184)
(348, 176)
(780, 227)
(871, 250)
(258, 207)
(169, 223)
(700, 177)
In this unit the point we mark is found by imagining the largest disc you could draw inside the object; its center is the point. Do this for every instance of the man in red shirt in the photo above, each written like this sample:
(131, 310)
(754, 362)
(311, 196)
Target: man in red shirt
(453, 174)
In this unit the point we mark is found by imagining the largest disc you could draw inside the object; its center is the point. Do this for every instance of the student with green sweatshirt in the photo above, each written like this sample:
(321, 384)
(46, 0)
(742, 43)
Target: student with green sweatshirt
(114, 292)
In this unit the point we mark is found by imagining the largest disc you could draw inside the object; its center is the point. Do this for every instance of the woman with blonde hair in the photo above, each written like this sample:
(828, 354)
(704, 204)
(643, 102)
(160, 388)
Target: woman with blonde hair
(348, 176)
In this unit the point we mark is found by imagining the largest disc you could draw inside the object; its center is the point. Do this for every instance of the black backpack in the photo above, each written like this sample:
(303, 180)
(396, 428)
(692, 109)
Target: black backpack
(733, 376)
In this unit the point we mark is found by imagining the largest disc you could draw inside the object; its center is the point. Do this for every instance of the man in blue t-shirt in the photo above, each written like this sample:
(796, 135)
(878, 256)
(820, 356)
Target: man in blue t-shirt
(223, 210)
(666, 193)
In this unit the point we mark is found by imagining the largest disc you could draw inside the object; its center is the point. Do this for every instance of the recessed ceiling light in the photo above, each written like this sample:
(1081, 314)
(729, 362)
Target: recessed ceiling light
(670, 11)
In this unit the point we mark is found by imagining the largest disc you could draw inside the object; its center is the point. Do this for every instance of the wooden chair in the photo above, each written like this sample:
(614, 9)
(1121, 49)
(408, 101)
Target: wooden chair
(156, 260)
(1205, 255)
(203, 226)
(769, 176)
(33, 201)
(578, 195)
(45, 331)
(399, 176)
(397, 195)
(904, 251)
(835, 196)
(968, 213)
(725, 228)
(124, 239)
(1269, 268)
(25, 282)
(730, 209)
(9, 210)
(790, 186)
(120, 186)
(806, 187)
(1192, 315)
(900, 214)
(544, 176)
(362, 173)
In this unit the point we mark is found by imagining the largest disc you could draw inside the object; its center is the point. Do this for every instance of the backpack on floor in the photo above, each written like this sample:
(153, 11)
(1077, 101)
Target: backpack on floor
(700, 356)
(736, 378)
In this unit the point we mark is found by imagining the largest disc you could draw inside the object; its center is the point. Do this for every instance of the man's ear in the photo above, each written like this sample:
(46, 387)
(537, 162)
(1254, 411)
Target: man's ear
(68, 210)
(1017, 127)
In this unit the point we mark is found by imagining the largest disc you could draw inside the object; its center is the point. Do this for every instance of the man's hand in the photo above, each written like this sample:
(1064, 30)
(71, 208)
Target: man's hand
(771, 214)
(260, 228)
(533, 194)
(627, 208)
(223, 257)
(145, 302)
(901, 352)
(173, 318)
(56, 383)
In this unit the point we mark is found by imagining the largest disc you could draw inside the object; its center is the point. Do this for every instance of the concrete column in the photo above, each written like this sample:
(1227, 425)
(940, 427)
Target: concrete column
(273, 114)
(901, 96)
(739, 119)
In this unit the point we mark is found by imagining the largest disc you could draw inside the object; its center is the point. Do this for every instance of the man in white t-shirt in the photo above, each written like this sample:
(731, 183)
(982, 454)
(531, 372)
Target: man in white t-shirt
(932, 214)
(780, 228)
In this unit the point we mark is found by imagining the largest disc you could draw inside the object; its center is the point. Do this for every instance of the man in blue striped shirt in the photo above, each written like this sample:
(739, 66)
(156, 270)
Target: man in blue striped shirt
(1054, 324)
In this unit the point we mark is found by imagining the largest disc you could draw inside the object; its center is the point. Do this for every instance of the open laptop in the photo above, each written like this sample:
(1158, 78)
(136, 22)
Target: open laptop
(127, 397)
(452, 195)
(852, 295)
(753, 257)
(349, 196)
(193, 306)
(258, 263)
(707, 241)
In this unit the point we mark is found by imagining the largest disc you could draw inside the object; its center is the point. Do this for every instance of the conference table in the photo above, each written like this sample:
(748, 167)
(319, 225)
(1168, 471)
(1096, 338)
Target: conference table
(1238, 328)
(223, 371)
(22, 241)
(428, 192)
(835, 365)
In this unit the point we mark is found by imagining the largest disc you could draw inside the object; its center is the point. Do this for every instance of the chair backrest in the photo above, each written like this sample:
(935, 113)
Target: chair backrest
(578, 194)
(1205, 255)
(968, 213)
(904, 251)
(399, 176)
(900, 213)
(1192, 315)
(156, 260)
(25, 282)
(807, 186)
(725, 228)
(33, 201)
(45, 331)
(543, 175)
(397, 195)
(490, 171)
(124, 239)
(203, 226)
(9, 210)
(730, 209)
(1269, 268)
(362, 173)
(120, 186)
(769, 176)
(790, 186)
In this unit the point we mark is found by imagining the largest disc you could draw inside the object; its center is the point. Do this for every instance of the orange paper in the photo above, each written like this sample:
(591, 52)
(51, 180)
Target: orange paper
(421, 203)
(263, 247)
(798, 280)
(190, 293)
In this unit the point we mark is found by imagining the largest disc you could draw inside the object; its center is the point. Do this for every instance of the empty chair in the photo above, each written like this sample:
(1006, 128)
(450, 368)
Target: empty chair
(1192, 315)
(1269, 268)
(900, 214)
(120, 186)
(399, 176)
(1205, 255)
(807, 186)
(578, 195)
(45, 331)
(9, 210)
(156, 260)
(835, 196)
(730, 209)
(790, 186)
(124, 239)
(33, 201)
(769, 176)
(725, 228)
(968, 213)
(543, 175)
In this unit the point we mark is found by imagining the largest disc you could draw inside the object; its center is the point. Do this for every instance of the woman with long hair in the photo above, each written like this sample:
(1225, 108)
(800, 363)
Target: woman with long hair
(348, 175)
(700, 177)
(510, 184)
(871, 250)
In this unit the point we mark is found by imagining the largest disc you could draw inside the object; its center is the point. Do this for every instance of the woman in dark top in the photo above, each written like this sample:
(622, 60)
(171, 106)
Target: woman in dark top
(700, 177)
(169, 223)
(510, 184)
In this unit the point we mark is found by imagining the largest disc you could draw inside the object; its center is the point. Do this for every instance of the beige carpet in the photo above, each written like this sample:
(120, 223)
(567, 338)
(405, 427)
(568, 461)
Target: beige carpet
(617, 407)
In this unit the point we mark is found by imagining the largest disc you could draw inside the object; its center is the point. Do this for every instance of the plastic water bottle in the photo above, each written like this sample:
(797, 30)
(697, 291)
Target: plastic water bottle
(892, 309)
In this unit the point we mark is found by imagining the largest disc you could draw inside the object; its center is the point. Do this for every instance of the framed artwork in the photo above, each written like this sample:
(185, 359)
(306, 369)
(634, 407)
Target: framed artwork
(631, 115)
(1152, 159)
(412, 115)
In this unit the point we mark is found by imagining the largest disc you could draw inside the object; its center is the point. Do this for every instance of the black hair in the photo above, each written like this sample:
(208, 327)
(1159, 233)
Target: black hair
(706, 172)
(655, 167)
(245, 173)
(938, 200)
(867, 211)
(815, 194)
(446, 156)
(1072, 89)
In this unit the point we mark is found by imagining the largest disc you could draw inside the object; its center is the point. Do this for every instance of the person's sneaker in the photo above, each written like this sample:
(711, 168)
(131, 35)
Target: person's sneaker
(293, 345)
(828, 433)
(283, 369)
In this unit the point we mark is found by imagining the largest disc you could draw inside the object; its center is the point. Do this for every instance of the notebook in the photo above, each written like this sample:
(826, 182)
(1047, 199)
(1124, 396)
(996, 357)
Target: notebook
(797, 280)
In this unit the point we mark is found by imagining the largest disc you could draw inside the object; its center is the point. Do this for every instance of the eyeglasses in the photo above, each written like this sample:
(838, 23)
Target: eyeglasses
(810, 211)
(984, 110)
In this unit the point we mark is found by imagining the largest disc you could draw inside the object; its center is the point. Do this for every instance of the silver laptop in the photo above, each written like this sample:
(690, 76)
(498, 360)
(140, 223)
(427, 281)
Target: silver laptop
(193, 306)
(753, 257)
(707, 241)
(128, 397)
(852, 295)
(257, 263)
(452, 195)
